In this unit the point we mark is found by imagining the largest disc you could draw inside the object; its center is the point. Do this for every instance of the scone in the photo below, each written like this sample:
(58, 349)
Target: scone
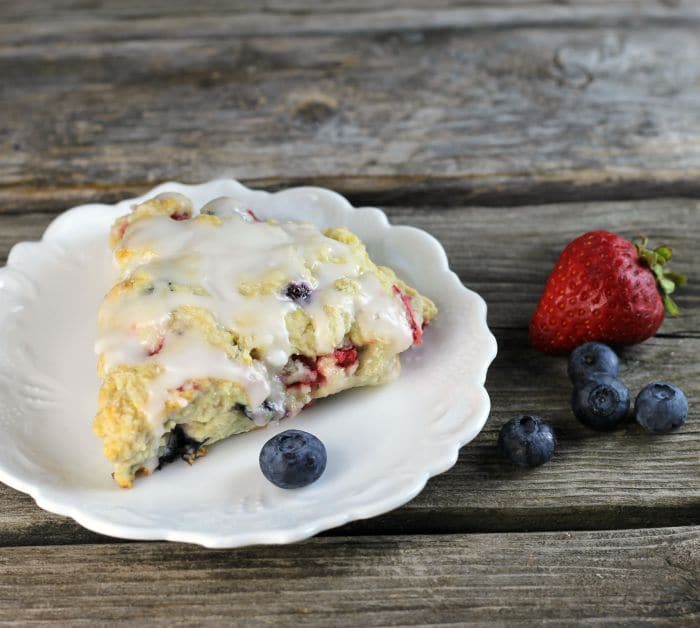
(221, 322)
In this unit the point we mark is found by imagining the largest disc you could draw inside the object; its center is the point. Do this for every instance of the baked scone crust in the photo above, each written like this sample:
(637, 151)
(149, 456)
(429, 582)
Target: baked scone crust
(221, 322)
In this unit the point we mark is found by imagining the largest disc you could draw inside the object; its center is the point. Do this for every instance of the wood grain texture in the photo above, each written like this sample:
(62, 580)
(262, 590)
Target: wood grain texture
(430, 107)
(595, 481)
(48, 21)
(473, 120)
(506, 253)
(601, 578)
(619, 480)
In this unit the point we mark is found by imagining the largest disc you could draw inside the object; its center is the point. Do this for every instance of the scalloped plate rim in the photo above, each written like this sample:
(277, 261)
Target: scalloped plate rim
(449, 454)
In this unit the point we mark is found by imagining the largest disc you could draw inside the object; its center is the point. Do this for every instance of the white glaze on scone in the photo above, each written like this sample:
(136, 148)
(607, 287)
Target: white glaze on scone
(227, 276)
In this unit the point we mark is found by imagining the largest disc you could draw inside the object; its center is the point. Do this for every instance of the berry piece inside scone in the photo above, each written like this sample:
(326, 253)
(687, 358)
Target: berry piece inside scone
(222, 322)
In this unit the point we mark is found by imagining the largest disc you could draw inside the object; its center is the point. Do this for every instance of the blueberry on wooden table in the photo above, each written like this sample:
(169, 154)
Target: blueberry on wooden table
(590, 358)
(661, 407)
(602, 403)
(527, 441)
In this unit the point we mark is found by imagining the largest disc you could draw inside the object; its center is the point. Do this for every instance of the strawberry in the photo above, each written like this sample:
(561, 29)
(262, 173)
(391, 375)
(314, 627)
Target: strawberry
(604, 288)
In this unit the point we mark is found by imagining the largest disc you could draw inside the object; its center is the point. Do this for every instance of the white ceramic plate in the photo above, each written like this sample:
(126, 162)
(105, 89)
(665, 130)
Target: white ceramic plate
(383, 443)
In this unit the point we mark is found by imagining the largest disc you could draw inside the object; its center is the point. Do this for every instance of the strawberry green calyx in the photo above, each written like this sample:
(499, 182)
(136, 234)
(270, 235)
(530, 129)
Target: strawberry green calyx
(666, 280)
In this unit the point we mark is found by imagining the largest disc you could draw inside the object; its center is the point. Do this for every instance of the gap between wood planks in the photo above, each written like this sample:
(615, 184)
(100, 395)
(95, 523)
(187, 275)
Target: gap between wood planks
(39, 528)
(388, 191)
(57, 530)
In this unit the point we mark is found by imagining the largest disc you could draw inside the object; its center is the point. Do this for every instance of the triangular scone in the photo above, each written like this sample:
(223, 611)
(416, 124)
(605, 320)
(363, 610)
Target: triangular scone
(221, 322)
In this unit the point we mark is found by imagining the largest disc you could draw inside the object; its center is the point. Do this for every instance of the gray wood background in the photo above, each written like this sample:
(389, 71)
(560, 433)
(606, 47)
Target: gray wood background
(503, 128)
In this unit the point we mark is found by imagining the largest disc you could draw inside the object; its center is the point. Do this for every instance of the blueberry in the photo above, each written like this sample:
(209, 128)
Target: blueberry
(527, 441)
(172, 445)
(590, 358)
(661, 407)
(602, 403)
(293, 459)
(298, 292)
(179, 444)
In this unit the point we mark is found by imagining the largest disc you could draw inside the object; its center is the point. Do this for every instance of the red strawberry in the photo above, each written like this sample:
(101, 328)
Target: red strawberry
(603, 288)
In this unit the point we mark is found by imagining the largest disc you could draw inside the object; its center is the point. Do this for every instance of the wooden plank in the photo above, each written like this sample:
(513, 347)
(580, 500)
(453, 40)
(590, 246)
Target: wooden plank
(620, 480)
(446, 115)
(505, 254)
(624, 479)
(635, 577)
(49, 21)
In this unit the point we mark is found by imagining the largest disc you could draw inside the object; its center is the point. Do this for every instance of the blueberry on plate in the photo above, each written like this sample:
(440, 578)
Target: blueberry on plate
(601, 403)
(591, 358)
(527, 441)
(293, 459)
(661, 407)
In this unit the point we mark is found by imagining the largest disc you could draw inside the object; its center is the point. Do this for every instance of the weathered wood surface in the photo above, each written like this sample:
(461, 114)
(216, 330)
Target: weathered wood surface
(618, 480)
(51, 20)
(600, 578)
(506, 253)
(475, 121)
(442, 104)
